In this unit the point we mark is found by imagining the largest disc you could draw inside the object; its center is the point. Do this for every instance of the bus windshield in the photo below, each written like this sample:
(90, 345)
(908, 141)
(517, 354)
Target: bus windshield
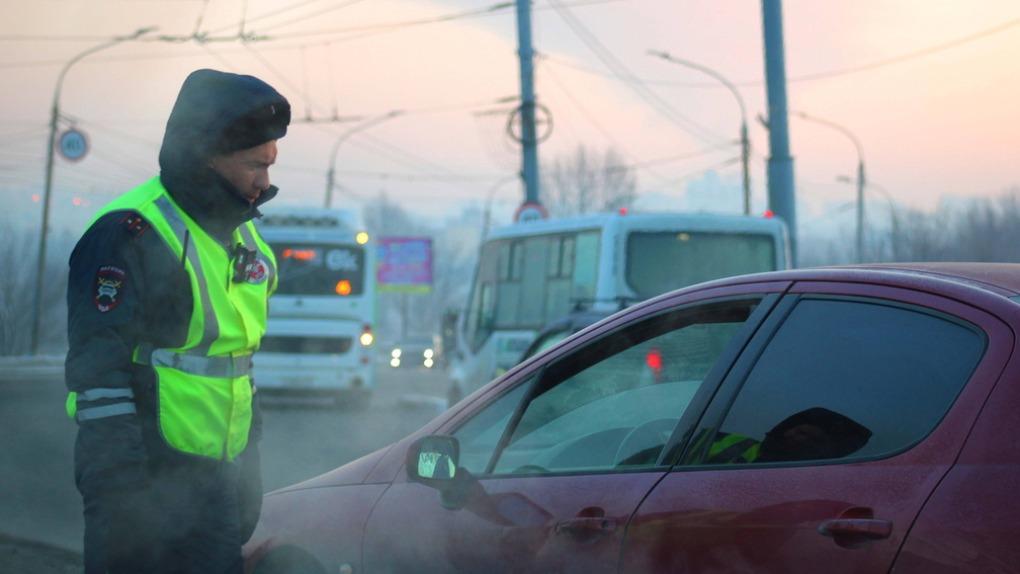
(320, 269)
(658, 262)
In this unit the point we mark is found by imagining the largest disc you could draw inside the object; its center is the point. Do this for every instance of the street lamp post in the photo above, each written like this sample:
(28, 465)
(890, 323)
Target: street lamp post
(745, 144)
(331, 174)
(871, 185)
(54, 121)
(861, 181)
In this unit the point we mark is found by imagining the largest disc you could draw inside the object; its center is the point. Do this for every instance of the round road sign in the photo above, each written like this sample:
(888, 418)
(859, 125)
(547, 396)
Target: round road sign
(73, 145)
(530, 211)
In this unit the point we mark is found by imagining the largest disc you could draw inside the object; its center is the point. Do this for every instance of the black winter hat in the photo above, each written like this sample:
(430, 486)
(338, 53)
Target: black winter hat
(219, 112)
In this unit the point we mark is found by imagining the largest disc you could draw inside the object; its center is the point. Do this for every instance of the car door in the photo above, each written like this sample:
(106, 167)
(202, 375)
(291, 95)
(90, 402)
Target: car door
(826, 438)
(561, 459)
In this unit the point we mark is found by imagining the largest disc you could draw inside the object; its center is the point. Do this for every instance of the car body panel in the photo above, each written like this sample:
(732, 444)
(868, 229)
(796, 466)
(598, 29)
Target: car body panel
(510, 524)
(970, 523)
(325, 524)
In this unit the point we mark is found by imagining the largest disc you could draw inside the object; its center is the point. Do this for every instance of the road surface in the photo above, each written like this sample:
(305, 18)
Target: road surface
(302, 438)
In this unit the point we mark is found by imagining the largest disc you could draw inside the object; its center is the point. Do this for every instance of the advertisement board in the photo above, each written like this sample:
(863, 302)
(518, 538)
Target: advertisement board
(405, 264)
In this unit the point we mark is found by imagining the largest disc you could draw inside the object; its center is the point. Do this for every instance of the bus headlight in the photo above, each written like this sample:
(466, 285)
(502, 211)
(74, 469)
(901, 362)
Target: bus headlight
(428, 363)
(394, 362)
(395, 353)
(367, 338)
(428, 354)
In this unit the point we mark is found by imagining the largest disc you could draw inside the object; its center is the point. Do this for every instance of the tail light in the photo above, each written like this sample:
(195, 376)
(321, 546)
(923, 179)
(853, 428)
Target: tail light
(367, 338)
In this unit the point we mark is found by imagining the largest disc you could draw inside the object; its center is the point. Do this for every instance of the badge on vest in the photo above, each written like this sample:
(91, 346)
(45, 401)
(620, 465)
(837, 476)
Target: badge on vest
(257, 271)
(249, 266)
(109, 282)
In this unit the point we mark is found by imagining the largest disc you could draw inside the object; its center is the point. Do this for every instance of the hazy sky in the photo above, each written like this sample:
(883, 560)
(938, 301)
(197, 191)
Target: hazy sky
(936, 126)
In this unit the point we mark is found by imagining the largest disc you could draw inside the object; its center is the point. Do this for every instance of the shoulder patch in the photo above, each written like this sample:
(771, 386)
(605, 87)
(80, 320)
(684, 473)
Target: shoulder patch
(109, 284)
(135, 224)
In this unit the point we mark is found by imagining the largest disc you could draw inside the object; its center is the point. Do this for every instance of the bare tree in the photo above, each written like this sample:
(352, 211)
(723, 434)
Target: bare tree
(588, 181)
(984, 229)
(17, 281)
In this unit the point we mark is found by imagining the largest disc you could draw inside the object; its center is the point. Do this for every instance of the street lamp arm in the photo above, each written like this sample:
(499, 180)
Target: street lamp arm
(837, 127)
(330, 176)
(81, 56)
(705, 70)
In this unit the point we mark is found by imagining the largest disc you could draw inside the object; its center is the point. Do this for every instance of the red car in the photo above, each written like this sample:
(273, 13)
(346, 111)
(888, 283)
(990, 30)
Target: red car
(831, 420)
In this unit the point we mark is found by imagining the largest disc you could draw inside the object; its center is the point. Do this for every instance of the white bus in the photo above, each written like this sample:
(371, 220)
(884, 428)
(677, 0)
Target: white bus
(530, 274)
(319, 335)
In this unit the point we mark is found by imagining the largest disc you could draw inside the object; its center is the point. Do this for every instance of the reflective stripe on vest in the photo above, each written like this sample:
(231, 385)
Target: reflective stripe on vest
(733, 448)
(204, 386)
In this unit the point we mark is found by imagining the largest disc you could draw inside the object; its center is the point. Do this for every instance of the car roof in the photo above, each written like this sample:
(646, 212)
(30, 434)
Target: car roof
(999, 278)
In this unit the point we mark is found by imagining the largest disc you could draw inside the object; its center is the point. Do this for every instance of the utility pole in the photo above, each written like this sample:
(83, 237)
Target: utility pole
(529, 140)
(745, 144)
(782, 200)
(48, 192)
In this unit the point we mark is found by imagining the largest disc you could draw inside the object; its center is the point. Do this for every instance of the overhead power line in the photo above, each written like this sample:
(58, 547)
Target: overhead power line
(373, 29)
(269, 14)
(812, 76)
(905, 57)
(274, 26)
(627, 76)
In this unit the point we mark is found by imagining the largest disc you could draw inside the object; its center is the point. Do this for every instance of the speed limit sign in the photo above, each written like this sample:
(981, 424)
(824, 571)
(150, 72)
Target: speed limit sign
(73, 145)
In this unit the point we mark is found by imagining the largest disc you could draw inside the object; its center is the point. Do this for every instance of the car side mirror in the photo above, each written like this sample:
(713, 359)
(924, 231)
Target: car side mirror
(433, 460)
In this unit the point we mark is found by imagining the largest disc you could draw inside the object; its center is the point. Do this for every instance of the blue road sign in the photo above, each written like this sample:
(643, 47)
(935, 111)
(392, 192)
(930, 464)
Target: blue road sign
(73, 145)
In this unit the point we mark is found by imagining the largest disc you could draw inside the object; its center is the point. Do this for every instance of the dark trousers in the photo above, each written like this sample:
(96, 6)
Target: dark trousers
(191, 518)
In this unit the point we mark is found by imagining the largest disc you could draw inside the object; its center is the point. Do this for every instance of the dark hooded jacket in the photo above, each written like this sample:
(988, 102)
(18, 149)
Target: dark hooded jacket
(215, 113)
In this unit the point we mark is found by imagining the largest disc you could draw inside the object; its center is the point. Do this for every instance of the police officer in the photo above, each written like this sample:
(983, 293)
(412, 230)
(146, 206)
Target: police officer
(167, 299)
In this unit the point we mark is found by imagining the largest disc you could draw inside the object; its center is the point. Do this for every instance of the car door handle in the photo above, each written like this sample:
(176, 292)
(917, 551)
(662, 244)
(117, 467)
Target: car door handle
(586, 526)
(856, 528)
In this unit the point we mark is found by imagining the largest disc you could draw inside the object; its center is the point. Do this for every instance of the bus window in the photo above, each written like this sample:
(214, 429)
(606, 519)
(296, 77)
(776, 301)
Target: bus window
(658, 262)
(533, 280)
(319, 269)
(586, 265)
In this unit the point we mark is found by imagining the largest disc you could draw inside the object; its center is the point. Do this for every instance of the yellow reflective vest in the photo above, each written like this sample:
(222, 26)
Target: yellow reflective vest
(204, 388)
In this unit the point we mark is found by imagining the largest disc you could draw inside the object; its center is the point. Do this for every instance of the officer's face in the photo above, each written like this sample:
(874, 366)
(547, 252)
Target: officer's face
(247, 169)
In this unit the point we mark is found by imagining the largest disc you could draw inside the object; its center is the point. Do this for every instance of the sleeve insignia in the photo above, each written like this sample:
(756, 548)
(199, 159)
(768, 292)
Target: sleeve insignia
(109, 284)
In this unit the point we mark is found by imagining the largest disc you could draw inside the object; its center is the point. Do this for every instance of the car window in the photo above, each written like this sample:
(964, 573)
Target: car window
(847, 379)
(614, 403)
